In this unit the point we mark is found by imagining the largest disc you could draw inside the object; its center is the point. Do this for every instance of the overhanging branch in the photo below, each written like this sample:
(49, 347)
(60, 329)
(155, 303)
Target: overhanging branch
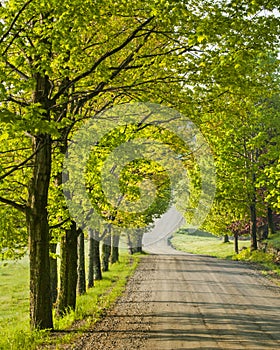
(14, 21)
(17, 167)
(102, 58)
(15, 205)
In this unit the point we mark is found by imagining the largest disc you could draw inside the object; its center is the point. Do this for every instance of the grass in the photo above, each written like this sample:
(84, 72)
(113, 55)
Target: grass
(274, 241)
(265, 259)
(204, 243)
(14, 304)
(14, 301)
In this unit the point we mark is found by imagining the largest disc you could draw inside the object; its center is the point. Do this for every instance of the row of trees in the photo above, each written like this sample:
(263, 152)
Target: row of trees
(247, 148)
(62, 63)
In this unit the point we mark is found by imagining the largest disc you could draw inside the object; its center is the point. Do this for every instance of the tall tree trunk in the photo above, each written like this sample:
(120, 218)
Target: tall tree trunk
(53, 267)
(236, 248)
(63, 274)
(96, 257)
(73, 266)
(253, 216)
(68, 271)
(139, 239)
(106, 252)
(134, 242)
(38, 230)
(81, 264)
(91, 260)
(253, 224)
(115, 248)
(270, 222)
(130, 245)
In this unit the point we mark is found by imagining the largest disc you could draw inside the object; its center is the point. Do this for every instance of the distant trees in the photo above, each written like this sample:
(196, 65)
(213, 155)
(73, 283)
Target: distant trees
(246, 146)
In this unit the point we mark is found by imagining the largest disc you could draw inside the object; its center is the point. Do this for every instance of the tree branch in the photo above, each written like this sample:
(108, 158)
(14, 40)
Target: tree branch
(59, 224)
(116, 72)
(102, 58)
(20, 103)
(14, 21)
(20, 73)
(17, 167)
(14, 150)
(15, 205)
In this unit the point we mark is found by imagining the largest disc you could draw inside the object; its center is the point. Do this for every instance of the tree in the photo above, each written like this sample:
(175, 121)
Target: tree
(244, 143)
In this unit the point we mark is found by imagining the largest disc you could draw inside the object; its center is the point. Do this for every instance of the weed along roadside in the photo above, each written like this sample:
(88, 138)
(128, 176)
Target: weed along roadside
(14, 313)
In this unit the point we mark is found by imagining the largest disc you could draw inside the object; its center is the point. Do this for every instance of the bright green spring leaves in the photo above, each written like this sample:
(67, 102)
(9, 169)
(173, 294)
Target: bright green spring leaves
(95, 54)
(15, 170)
(142, 189)
(246, 147)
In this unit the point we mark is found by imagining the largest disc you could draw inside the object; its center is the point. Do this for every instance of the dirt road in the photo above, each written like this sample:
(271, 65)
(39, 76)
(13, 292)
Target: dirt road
(191, 302)
(183, 301)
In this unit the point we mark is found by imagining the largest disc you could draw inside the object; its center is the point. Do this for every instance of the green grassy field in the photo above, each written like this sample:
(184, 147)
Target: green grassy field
(14, 303)
(204, 243)
(14, 300)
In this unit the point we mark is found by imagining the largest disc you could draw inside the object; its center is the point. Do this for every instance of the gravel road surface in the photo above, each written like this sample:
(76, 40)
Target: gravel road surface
(184, 301)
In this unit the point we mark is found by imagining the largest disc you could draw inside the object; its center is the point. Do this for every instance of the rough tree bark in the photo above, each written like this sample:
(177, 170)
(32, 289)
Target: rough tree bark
(106, 252)
(53, 268)
(96, 258)
(236, 248)
(115, 239)
(37, 218)
(253, 225)
(253, 216)
(81, 264)
(90, 260)
(68, 271)
(38, 229)
(270, 222)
